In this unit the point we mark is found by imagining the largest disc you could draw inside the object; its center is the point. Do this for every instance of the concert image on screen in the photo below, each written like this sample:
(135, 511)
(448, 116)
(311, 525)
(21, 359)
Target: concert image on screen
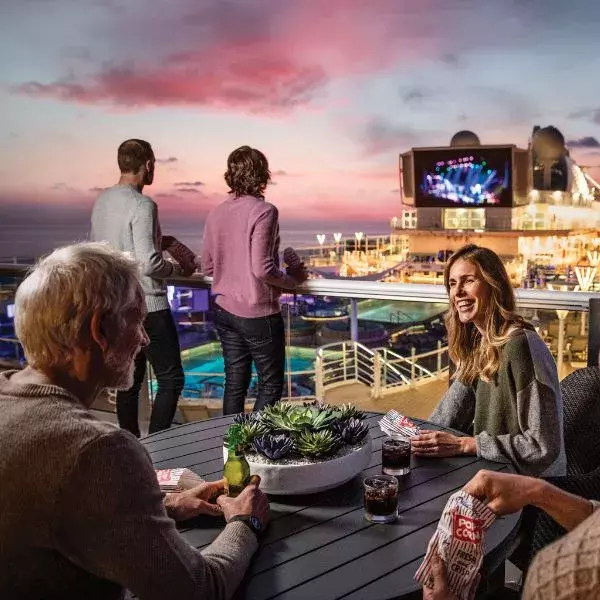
(455, 177)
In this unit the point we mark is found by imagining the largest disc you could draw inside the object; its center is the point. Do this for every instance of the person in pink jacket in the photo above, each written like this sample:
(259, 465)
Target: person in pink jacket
(241, 251)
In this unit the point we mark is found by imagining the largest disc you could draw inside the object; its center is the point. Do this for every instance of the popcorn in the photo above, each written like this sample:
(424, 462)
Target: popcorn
(394, 424)
(177, 480)
(459, 541)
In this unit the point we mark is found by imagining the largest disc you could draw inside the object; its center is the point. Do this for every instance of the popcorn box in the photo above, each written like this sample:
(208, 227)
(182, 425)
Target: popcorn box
(394, 424)
(177, 480)
(459, 541)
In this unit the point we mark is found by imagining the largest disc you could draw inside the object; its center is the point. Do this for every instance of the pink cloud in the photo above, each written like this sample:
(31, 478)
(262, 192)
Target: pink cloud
(265, 57)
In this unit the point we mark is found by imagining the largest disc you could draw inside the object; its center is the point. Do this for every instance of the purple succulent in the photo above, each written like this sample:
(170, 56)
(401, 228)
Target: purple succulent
(273, 446)
(351, 431)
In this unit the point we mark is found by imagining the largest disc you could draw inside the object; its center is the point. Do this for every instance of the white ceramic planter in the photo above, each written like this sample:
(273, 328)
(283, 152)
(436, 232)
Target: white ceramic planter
(311, 478)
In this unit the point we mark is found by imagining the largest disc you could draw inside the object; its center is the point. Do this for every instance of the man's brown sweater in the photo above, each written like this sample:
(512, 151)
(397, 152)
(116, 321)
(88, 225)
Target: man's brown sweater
(82, 516)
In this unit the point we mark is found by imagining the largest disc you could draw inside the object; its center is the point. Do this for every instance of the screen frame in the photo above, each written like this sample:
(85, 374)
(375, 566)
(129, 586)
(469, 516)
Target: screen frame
(417, 201)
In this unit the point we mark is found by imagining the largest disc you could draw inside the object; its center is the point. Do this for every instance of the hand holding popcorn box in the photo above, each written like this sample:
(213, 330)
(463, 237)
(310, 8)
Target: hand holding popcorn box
(459, 542)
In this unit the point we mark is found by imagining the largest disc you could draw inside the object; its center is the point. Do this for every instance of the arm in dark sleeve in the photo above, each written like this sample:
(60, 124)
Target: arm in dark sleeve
(262, 251)
(456, 409)
(111, 521)
(144, 228)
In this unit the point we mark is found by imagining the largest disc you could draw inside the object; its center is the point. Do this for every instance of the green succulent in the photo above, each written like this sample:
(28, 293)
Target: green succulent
(299, 418)
(318, 443)
(323, 418)
(252, 429)
(349, 411)
(276, 411)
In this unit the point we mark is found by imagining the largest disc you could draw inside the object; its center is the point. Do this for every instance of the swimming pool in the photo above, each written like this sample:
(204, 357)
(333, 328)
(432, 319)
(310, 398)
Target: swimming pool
(386, 311)
(204, 370)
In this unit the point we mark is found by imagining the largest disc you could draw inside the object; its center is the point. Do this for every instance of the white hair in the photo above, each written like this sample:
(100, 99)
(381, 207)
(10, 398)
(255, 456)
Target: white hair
(55, 302)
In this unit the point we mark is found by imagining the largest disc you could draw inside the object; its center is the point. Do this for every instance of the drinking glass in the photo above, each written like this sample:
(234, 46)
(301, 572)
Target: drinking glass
(395, 457)
(381, 498)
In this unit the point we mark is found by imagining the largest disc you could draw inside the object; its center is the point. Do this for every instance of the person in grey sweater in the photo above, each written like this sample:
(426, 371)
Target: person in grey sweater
(128, 220)
(506, 387)
(81, 511)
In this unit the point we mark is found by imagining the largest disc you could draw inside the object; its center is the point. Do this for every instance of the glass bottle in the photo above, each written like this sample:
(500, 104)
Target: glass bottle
(236, 471)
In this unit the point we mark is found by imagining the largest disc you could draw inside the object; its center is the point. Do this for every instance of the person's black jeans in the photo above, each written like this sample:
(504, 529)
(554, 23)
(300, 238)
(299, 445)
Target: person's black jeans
(261, 340)
(164, 355)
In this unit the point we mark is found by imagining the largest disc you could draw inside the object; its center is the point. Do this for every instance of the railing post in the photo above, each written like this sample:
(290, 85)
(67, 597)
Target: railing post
(353, 320)
(344, 361)
(439, 359)
(385, 367)
(146, 397)
(594, 333)
(562, 316)
(377, 384)
(319, 392)
(413, 367)
(355, 362)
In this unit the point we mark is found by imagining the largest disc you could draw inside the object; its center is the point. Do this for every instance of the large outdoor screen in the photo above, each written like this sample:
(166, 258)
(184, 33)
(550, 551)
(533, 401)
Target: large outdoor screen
(455, 177)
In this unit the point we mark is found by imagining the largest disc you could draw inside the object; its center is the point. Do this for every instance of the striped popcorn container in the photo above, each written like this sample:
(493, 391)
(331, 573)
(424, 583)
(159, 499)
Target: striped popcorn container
(396, 425)
(459, 541)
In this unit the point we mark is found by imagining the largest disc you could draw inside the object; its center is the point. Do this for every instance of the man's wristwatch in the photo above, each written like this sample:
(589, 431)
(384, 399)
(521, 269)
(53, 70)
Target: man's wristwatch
(251, 521)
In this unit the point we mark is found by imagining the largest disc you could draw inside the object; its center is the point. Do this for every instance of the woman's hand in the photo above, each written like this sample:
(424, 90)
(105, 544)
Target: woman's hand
(195, 501)
(442, 444)
(440, 590)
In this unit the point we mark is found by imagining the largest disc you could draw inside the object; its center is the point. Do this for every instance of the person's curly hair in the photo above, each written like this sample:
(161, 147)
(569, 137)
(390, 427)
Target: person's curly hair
(247, 172)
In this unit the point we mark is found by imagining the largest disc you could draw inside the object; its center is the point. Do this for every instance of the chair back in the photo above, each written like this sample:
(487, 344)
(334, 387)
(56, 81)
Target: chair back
(581, 414)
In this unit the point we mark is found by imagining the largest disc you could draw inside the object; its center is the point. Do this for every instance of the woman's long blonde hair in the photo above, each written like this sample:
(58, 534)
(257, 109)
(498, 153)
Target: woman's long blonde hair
(476, 355)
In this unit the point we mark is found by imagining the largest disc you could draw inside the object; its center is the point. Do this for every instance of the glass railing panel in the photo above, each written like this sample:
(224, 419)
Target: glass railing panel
(202, 355)
(569, 348)
(399, 330)
(11, 352)
(314, 322)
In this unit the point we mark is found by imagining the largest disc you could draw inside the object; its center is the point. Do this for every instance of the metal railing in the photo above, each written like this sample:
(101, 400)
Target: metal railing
(545, 300)
(381, 369)
(412, 372)
(376, 290)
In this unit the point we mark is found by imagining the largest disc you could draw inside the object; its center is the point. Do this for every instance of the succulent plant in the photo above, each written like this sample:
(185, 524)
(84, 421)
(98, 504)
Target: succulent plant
(279, 408)
(314, 429)
(318, 443)
(273, 446)
(252, 429)
(349, 411)
(299, 418)
(247, 417)
(318, 404)
(351, 431)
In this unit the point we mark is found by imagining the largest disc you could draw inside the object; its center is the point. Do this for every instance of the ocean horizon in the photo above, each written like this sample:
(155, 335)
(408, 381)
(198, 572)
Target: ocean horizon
(25, 242)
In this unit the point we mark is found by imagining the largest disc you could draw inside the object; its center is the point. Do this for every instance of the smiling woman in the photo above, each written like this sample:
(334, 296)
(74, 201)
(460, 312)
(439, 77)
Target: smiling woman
(506, 387)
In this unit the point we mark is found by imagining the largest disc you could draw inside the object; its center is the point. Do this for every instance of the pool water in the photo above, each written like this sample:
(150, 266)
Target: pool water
(204, 370)
(386, 311)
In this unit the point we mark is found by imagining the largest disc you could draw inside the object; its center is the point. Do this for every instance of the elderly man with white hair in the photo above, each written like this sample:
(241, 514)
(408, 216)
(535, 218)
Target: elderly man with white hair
(81, 512)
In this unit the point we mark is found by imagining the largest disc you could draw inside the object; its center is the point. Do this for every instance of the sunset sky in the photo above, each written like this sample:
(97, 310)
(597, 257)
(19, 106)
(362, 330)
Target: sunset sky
(330, 90)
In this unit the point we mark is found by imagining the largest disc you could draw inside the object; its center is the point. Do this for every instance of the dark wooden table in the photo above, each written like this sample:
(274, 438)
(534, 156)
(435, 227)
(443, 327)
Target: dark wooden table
(320, 546)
